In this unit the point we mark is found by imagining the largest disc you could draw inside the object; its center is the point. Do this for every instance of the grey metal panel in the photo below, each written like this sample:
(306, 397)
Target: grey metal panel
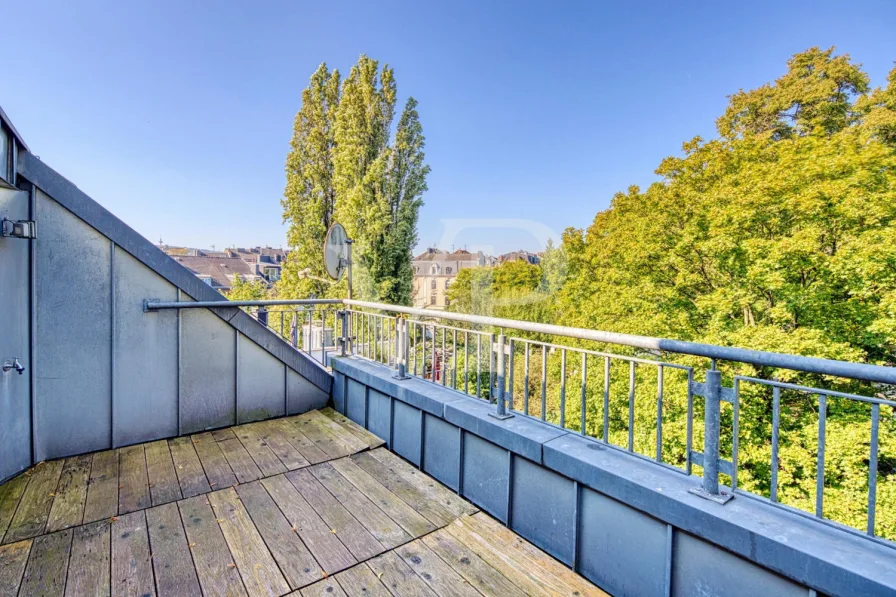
(261, 379)
(356, 404)
(700, 568)
(145, 383)
(486, 475)
(543, 508)
(441, 450)
(379, 415)
(15, 339)
(208, 372)
(302, 395)
(407, 430)
(76, 201)
(338, 392)
(622, 550)
(73, 336)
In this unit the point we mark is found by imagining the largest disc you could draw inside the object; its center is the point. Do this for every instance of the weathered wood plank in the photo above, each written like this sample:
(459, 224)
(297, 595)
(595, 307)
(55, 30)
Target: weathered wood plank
(214, 463)
(295, 561)
(219, 435)
(340, 521)
(288, 454)
(47, 564)
(360, 581)
(131, 564)
(440, 577)
(240, 461)
(340, 432)
(102, 487)
(71, 493)
(190, 475)
(88, 569)
(10, 494)
(371, 440)
(426, 484)
(384, 529)
(410, 494)
(255, 563)
(305, 446)
(30, 518)
(400, 579)
(171, 561)
(13, 558)
(323, 588)
(163, 484)
(214, 564)
(326, 547)
(469, 565)
(253, 440)
(394, 507)
(308, 425)
(133, 490)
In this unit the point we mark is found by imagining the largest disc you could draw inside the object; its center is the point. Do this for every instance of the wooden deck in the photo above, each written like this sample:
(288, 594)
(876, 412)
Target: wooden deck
(304, 506)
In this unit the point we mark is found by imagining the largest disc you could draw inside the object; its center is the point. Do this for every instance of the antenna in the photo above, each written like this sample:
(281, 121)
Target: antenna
(338, 254)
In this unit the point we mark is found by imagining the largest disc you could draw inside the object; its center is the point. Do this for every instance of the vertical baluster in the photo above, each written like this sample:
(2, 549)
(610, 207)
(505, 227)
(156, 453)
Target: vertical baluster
(563, 388)
(466, 362)
(582, 426)
(479, 365)
(414, 330)
(491, 367)
(454, 359)
(281, 325)
(659, 414)
(323, 336)
(872, 467)
(544, 381)
(689, 432)
(432, 367)
(735, 434)
(631, 406)
(776, 415)
(443, 364)
(423, 355)
(509, 393)
(526, 381)
(606, 437)
(819, 473)
(309, 346)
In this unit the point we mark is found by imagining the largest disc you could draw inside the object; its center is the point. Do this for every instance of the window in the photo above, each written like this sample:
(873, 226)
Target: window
(272, 273)
(447, 284)
(447, 270)
(432, 300)
(206, 279)
(432, 284)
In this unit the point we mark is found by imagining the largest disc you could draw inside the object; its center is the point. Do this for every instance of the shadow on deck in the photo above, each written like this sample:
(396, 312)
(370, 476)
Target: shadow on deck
(304, 505)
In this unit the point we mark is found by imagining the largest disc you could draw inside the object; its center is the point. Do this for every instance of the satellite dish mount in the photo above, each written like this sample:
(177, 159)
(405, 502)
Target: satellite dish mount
(338, 254)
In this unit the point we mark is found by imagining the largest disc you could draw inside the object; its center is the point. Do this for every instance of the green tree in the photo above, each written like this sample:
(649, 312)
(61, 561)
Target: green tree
(243, 290)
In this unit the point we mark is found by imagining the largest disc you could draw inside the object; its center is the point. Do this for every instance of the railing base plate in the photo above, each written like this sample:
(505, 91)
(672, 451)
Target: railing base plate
(500, 417)
(720, 498)
(398, 377)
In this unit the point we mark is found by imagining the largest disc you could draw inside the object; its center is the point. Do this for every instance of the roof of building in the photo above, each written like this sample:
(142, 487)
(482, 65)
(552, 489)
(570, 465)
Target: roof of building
(520, 255)
(439, 255)
(220, 269)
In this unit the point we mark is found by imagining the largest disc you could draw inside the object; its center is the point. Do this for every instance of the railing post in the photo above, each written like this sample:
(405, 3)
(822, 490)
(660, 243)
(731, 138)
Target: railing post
(343, 316)
(501, 407)
(711, 425)
(401, 348)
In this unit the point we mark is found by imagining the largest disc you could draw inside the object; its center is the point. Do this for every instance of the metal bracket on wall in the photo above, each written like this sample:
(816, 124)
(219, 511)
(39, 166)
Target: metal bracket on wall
(18, 228)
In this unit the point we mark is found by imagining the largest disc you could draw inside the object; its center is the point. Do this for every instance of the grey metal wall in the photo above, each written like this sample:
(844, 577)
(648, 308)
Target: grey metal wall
(106, 373)
(627, 524)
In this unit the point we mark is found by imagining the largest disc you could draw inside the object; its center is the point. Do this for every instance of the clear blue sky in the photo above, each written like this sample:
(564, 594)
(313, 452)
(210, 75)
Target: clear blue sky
(177, 116)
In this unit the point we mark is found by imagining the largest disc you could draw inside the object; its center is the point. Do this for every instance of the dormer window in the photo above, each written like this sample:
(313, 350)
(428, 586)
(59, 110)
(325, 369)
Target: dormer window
(5, 154)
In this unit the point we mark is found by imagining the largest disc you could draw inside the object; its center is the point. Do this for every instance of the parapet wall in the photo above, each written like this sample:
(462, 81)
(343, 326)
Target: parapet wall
(627, 524)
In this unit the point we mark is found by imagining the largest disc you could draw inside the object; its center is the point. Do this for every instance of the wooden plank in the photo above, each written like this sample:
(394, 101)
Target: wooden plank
(322, 438)
(360, 581)
(340, 432)
(219, 435)
(305, 446)
(214, 463)
(395, 574)
(440, 577)
(30, 518)
(13, 558)
(163, 484)
(295, 561)
(211, 556)
(133, 490)
(410, 494)
(288, 454)
(253, 440)
(190, 475)
(255, 563)
(340, 521)
(469, 565)
(326, 547)
(323, 588)
(131, 567)
(171, 559)
(88, 569)
(47, 564)
(240, 462)
(394, 507)
(10, 495)
(102, 487)
(384, 529)
(71, 493)
(372, 441)
(426, 484)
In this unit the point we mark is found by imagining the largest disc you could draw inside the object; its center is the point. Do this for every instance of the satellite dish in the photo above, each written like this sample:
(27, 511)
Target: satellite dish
(336, 251)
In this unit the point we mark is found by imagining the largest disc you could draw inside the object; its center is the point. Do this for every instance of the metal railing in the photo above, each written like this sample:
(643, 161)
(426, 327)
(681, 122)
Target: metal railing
(598, 392)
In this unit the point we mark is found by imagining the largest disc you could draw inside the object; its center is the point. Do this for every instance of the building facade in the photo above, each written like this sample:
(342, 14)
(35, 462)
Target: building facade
(218, 269)
(434, 272)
